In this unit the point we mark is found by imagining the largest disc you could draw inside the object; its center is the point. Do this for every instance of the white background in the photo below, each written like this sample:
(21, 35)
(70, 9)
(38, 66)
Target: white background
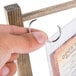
(47, 23)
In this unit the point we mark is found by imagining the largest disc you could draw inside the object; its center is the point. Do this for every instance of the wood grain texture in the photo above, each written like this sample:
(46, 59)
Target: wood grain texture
(14, 16)
(49, 10)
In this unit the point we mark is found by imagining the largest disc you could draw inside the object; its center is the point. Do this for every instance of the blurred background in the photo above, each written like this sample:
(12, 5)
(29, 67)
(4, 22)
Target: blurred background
(47, 24)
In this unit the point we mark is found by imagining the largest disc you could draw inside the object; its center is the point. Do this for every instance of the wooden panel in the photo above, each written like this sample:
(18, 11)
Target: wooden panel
(49, 10)
(14, 17)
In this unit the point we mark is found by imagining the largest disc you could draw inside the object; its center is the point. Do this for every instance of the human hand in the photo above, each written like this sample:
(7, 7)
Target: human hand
(16, 40)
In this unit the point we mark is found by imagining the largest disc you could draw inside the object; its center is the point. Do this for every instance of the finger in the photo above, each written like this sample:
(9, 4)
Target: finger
(12, 29)
(4, 55)
(8, 69)
(4, 71)
(24, 43)
(13, 57)
(12, 68)
(1, 72)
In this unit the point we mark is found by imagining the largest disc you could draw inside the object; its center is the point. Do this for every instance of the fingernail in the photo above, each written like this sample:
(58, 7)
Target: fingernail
(40, 36)
(5, 71)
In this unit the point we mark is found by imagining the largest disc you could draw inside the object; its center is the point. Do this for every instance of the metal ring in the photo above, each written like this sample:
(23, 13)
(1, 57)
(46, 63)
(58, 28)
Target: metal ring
(57, 37)
(30, 25)
(47, 40)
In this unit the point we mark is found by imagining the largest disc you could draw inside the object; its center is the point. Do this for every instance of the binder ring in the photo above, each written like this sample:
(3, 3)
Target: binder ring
(47, 40)
(30, 25)
(57, 37)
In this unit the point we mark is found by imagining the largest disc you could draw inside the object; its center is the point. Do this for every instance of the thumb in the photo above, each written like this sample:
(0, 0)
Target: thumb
(27, 42)
(24, 43)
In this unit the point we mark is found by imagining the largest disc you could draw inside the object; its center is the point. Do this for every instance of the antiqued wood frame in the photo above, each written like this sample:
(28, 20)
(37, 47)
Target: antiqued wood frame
(15, 17)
